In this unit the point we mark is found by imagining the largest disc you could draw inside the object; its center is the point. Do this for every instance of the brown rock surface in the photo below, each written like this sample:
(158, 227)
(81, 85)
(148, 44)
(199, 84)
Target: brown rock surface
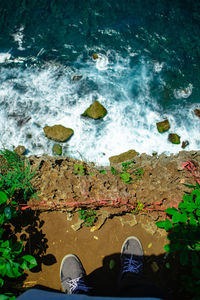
(58, 133)
(161, 186)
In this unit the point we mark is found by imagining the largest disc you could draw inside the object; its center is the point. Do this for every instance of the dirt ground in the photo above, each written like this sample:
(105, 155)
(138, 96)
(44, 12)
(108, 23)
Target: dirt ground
(50, 232)
(96, 250)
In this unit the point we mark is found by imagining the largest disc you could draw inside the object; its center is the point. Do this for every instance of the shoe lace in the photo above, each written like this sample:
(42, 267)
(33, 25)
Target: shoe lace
(78, 284)
(132, 265)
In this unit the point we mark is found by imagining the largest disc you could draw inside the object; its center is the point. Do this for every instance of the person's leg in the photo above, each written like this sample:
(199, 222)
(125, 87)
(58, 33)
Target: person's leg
(131, 281)
(73, 276)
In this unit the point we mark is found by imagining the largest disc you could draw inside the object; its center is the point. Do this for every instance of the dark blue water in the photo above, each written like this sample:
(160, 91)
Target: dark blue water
(148, 70)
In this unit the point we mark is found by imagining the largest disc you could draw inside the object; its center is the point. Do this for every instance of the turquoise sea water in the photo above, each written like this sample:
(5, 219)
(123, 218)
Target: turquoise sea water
(148, 70)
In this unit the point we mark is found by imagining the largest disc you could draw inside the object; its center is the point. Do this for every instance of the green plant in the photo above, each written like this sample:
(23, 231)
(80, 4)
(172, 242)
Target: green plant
(126, 177)
(79, 170)
(16, 175)
(138, 173)
(183, 227)
(102, 171)
(12, 262)
(139, 207)
(127, 165)
(113, 171)
(15, 188)
(89, 216)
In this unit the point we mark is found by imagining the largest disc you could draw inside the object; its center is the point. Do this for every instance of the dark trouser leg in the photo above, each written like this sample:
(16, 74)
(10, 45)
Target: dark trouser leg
(133, 285)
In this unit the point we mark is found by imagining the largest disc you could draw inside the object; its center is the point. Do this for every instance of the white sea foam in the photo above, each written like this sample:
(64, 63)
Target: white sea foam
(183, 93)
(4, 57)
(158, 67)
(102, 62)
(33, 98)
(18, 37)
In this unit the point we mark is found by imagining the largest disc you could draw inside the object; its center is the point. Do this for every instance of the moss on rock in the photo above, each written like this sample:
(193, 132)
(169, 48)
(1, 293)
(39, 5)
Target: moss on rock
(57, 149)
(123, 157)
(58, 133)
(163, 126)
(95, 111)
(174, 138)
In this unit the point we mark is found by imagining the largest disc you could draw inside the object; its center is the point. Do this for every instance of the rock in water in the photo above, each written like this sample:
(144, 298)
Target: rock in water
(20, 150)
(184, 144)
(95, 56)
(57, 149)
(123, 157)
(95, 111)
(174, 138)
(197, 112)
(58, 133)
(163, 126)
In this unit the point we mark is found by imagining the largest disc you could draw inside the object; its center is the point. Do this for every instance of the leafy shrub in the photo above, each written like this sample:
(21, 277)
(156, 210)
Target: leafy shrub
(16, 175)
(89, 216)
(183, 225)
(79, 170)
(15, 185)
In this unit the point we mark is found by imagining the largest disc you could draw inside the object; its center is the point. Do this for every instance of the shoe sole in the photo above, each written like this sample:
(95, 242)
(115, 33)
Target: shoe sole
(136, 239)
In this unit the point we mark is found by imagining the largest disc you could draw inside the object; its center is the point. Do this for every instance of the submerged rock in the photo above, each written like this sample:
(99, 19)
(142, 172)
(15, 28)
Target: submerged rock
(58, 133)
(123, 157)
(77, 77)
(95, 56)
(163, 126)
(174, 138)
(197, 112)
(57, 149)
(184, 144)
(95, 111)
(20, 150)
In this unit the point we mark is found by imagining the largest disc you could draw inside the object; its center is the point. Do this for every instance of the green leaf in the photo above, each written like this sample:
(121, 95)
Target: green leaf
(31, 260)
(184, 258)
(160, 224)
(2, 267)
(168, 225)
(1, 232)
(183, 218)
(176, 217)
(112, 264)
(167, 248)
(102, 171)
(192, 220)
(1, 284)
(7, 212)
(198, 212)
(113, 171)
(171, 210)
(3, 197)
(189, 185)
(195, 259)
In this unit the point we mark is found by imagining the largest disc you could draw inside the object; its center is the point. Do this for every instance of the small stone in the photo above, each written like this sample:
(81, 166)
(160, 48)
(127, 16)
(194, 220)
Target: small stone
(57, 149)
(95, 56)
(154, 266)
(197, 112)
(58, 133)
(95, 111)
(163, 126)
(184, 144)
(20, 150)
(96, 237)
(123, 157)
(174, 138)
(132, 221)
(149, 227)
(77, 225)
(77, 77)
